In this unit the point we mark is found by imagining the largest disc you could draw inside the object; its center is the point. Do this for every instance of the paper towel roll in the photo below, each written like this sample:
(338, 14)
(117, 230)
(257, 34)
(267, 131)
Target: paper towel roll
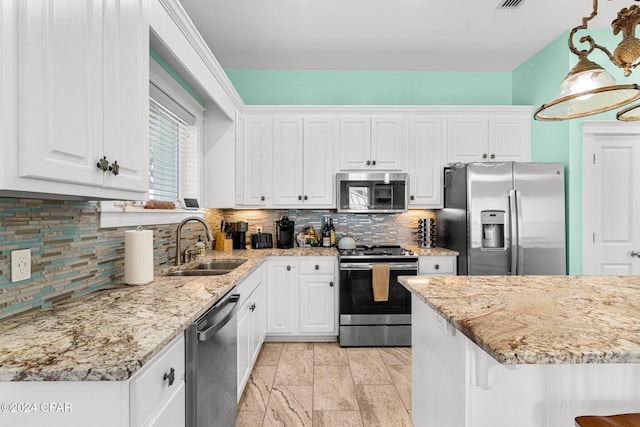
(138, 256)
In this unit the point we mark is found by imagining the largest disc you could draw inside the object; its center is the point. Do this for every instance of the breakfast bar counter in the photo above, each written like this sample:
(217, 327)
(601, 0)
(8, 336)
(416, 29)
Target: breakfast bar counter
(524, 350)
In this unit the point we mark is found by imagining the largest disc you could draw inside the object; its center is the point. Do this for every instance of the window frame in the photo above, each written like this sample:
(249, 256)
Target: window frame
(122, 214)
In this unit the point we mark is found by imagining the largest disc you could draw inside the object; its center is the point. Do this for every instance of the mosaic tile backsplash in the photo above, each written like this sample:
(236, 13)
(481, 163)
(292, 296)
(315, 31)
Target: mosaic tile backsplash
(72, 256)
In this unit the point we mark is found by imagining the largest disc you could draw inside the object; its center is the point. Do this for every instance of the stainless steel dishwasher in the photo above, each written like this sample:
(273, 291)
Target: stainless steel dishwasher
(211, 376)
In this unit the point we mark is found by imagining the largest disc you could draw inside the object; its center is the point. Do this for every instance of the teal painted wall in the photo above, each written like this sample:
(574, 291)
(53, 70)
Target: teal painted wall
(287, 87)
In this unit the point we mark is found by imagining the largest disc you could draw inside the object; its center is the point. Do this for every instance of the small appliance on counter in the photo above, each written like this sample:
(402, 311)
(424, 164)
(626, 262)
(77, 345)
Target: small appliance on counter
(285, 235)
(240, 235)
(261, 241)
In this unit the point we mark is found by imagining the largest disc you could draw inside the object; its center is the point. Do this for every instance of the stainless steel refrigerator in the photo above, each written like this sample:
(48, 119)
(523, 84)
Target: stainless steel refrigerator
(504, 218)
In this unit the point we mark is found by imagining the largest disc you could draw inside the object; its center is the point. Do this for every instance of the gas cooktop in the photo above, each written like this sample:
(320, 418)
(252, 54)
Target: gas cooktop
(376, 251)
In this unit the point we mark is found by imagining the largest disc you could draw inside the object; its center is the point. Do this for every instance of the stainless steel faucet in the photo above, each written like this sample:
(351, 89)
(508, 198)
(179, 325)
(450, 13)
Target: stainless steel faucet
(179, 235)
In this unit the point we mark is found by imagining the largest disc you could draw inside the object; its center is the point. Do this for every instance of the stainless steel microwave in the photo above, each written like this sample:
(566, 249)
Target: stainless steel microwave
(372, 192)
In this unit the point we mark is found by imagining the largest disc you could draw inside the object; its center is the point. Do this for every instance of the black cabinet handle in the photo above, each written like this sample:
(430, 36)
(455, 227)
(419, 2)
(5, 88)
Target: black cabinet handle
(373, 163)
(306, 198)
(252, 307)
(114, 168)
(368, 162)
(171, 376)
(412, 197)
(317, 267)
(288, 268)
(437, 266)
(493, 156)
(103, 164)
(299, 197)
(484, 156)
(262, 198)
(331, 284)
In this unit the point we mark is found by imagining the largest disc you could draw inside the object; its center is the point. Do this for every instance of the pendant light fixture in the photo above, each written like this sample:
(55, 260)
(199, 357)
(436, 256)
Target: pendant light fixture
(588, 88)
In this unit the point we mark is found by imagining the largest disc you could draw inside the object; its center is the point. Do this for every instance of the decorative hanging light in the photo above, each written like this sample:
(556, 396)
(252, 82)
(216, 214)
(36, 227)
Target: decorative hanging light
(589, 89)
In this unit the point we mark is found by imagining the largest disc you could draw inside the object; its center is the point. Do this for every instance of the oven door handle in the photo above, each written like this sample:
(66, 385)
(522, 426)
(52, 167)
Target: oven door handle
(346, 266)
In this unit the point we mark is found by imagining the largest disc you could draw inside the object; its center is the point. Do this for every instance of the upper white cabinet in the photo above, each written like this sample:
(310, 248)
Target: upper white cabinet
(372, 143)
(425, 161)
(254, 149)
(490, 137)
(303, 162)
(82, 97)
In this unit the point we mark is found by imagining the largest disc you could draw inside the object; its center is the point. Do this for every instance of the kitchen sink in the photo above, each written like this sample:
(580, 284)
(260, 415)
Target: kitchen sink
(216, 267)
(199, 272)
(220, 264)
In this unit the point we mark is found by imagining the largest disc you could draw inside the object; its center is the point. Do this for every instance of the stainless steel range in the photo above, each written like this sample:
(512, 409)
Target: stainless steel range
(364, 321)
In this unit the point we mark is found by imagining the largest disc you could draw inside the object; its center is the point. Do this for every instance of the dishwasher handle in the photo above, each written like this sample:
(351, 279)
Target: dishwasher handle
(232, 301)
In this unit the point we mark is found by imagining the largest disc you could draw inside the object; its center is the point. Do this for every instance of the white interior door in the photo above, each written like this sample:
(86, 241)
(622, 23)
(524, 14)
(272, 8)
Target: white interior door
(611, 199)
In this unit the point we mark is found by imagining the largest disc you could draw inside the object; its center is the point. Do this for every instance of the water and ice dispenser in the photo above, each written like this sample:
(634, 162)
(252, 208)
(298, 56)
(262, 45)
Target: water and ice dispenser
(492, 229)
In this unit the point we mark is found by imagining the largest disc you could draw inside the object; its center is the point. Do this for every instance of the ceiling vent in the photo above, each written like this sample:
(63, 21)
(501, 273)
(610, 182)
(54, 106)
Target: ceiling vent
(510, 4)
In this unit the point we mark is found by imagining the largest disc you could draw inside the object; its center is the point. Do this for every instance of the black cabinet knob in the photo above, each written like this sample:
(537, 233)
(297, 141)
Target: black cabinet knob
(412, 197)
(299, 197)
(331, 284)
(114, 168)
(103, 164)
(171, 376)
(288, 268)
(368, 162)
(373, 163)
(317, 267)
(437, 266)
(493, 156)
(484, 156)
(306, 198)
(262, 198)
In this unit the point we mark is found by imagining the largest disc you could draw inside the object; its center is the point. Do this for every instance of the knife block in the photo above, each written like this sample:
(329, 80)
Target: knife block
(222, 243)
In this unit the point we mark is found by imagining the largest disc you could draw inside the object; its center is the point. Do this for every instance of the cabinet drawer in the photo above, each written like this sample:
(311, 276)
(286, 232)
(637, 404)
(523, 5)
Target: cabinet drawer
(324, 265)
(149, 389)
(436, 265)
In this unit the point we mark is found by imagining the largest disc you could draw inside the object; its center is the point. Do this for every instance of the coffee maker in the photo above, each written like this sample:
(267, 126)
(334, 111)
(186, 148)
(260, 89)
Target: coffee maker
(240, 235)
(285, 235)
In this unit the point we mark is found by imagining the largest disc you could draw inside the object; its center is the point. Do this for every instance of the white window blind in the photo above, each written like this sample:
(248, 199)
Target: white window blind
(173, 151)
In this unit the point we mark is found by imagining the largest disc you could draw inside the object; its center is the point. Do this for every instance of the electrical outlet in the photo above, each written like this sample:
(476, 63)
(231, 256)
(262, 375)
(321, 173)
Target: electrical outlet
(20, 265)
(259, 229)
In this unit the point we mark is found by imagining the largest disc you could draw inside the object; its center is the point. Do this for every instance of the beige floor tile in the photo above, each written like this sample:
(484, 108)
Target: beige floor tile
(380, 405)
(337, 419)
(367, 366)
(270, 353)
(295, 368)
(333, 389)
(249, 418)
(329, 353)
(256, 393)
(396, 355)
(401, 377)
(297, 346)
(289, 406)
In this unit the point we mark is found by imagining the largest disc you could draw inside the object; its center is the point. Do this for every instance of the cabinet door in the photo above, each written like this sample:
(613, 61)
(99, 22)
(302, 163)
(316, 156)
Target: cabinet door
(126, 94)
(282, 297)
(317, 303)
(425, 163)
(467, 139)
(256, 154)
(259, 321)
(60, 108)
(239, 125)
(355, 143)
(319, 175)
(387, 143)
(287, 161)
(245, 338)
(509, 138)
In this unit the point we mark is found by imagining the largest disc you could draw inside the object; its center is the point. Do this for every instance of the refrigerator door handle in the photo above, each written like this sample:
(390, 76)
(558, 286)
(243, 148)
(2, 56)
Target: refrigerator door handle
(513, 233)
(520, 266)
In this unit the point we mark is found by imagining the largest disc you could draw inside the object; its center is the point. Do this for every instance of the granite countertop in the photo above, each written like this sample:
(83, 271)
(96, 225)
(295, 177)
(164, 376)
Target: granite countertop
(109, 334)
(432, 251)
(540, 319)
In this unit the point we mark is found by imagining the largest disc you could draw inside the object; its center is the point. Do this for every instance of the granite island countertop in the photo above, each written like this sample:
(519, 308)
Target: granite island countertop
(540, 319)
(109, 334)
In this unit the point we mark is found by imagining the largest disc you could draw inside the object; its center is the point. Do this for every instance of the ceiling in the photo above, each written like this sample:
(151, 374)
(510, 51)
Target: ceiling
(462, 35)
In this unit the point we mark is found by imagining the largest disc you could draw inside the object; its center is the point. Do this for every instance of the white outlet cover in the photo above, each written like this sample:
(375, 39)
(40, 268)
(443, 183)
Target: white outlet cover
(20, 265)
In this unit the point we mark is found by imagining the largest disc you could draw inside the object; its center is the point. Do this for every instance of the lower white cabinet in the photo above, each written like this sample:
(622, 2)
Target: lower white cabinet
(301, 297)
(149, 398)
(252, 321)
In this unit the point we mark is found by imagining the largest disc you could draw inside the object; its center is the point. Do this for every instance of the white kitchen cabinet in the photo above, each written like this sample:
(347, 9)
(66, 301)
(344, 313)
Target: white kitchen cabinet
(303, 162)
(302, 297)
(146, 399)
(372, 143)
(425, 161)
(251, 324)
(255, 151)
(437, 265)
(317, 296)
(488, 138)
(82, 96)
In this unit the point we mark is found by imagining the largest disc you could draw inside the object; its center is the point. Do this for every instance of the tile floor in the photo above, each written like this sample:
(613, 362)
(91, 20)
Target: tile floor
(322, 384)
